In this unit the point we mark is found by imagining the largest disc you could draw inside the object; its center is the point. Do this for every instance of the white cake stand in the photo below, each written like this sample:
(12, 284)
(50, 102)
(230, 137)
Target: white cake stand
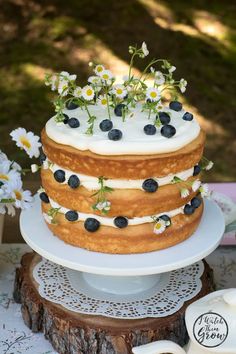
(123, 274)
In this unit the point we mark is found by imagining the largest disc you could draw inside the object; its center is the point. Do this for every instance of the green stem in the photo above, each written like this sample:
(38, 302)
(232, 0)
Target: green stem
(108, 107)
(131, 63)
(10, 200)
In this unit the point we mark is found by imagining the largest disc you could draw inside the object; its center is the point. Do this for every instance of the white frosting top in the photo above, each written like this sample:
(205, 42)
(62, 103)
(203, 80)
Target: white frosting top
(91, 183)
(104, 220)
(133, 142)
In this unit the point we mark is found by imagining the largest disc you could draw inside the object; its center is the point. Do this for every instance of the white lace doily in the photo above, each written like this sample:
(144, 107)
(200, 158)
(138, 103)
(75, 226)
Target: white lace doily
(69, 289)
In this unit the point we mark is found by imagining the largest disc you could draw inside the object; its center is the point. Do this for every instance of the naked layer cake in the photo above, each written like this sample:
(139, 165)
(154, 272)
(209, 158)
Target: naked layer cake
(121, 168)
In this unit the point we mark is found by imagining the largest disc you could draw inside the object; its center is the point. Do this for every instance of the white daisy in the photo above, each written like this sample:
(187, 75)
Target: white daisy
(172, 68)
(159, 226)
(88, 93)
(99, 69)
(209, 165)
(184, 192)
(144, 49)
(3, 157)
(119, 91)
(64, 75)
(106, 76)
(106, 205)
(204, 190)
(63, 87)
(153, 94)
(15, 166)
(102, 101)
(77, 91)
(182, 85)
(23, 199)
(159, 78)
(27, 141)
(95, 80)
(196, 185)
(8, 175)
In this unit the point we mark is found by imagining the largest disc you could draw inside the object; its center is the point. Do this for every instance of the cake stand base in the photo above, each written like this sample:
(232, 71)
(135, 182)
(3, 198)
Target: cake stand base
(70, 332)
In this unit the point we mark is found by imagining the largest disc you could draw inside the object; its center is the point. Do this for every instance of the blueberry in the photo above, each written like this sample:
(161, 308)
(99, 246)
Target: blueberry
(71, 215)
(164, 118)
(188, 209)
(59, 176)
(106, 125)
(44, 197)
(42, 157)
(118, 109)
(196, 202)
(120, 221)
(73, 181)
(168, 131)
(66, 118)
(176, 106)
(196, 170)
(150, 129)
(71, 105)
(115, 134)
(73, 123)
(150, 185)
(167, 219)
(187, 116)
(91, 224)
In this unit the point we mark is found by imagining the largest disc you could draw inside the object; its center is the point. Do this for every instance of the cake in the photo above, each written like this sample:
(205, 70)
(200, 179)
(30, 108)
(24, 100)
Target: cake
(120, 168)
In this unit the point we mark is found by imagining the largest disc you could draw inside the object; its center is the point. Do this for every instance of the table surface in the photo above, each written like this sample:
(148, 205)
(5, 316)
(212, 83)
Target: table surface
(16, 338)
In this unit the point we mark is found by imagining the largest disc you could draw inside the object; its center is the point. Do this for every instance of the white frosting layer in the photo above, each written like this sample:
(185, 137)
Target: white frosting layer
(104, 220)
(91, 183)
(134, 141)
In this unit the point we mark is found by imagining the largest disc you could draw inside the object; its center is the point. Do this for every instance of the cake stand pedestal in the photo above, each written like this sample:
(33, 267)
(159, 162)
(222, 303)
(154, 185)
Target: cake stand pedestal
(75, 332)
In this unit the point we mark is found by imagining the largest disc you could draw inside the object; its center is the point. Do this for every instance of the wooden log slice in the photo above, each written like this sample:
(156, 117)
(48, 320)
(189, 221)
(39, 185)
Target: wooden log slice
(73, 333)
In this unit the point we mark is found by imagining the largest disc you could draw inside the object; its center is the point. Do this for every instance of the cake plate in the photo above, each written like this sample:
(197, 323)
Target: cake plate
(123, 274)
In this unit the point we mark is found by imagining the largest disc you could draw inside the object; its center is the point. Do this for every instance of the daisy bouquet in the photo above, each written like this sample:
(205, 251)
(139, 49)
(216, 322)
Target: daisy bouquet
(12, 194)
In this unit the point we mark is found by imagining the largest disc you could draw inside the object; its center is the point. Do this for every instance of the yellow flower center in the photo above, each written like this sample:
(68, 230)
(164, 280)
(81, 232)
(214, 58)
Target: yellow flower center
(153, 94)
(99, 69)
(25, 142)
(18, 194)
(5, 177)
(119, 91)
(157, 226)
(89, 92)
(105, 77)
(104, 101)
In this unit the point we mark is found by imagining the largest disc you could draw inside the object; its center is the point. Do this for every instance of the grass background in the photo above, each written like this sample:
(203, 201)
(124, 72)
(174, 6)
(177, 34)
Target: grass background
(198, 37)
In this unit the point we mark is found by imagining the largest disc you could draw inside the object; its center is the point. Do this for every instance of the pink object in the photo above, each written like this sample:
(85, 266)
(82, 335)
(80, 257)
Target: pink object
(228, 189)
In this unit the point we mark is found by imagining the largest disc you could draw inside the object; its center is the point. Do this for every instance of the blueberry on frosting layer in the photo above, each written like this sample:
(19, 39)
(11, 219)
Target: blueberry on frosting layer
(164, 118)
(196, 202)
(168, 131)
(196, 170)
(74, 181)
(60, 176)
(71, 215)
(66, 118)
(167, 219)
(188, 209)
(73, 123)
(119, 109)
(106, 125)
(150, 185)
(71, 105)
(187, 116)
(121, 222)
(91, 224)
(115, 134)
(175, 106)
(150, 129)
(44, 197)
